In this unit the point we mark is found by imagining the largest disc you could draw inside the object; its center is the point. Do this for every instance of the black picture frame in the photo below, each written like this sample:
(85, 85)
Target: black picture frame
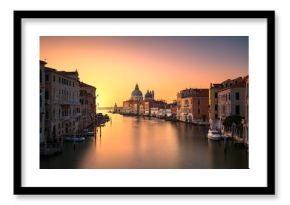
(268, 190)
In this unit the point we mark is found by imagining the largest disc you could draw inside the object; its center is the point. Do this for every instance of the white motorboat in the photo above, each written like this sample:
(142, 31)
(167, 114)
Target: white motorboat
(214, 135)
(74, 138)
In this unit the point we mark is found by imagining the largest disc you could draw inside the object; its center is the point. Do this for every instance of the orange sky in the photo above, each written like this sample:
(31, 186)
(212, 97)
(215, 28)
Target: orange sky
(163, 64)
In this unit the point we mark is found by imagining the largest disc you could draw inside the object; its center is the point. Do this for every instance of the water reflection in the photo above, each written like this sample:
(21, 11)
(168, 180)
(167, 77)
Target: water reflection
(137, 142)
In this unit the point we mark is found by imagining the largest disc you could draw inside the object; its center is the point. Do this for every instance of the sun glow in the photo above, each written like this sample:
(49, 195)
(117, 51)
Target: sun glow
(163, 64)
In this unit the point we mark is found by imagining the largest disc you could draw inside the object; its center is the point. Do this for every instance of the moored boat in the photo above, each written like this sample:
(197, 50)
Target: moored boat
(76, 138)
(214, 135)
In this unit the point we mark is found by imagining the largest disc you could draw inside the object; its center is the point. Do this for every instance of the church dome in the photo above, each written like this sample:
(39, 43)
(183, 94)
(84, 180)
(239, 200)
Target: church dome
(136, 92)
(148, 95)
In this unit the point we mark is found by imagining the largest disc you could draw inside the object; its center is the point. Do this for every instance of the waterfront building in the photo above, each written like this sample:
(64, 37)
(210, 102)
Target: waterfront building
(231, 102)
(173, 109)
(132, 106)
(149, 99)
(214, 111)
(87, 105)
(164, 112)
(115, 108)
(128, 106)
(149, 96)
(192, 105)
(138, 105)
(154, 111)
(141, 109)
(136, 94)
(157, 108)
(62, 103)
(213, 105)
(147, 107)
(246, 121)
(66, 99)
(42, 102)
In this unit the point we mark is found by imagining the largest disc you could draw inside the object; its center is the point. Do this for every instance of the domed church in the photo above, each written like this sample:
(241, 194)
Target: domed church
(137, 94)
(149, 95)
(137, 104)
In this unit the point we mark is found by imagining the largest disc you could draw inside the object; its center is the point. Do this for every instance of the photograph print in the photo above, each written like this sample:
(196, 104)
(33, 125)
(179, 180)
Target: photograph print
(144, 102)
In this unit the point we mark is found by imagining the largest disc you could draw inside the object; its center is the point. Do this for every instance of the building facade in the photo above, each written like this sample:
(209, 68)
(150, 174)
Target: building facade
(42, 102)
(213, 105)
(231, 101)
(69, 104)
(192, 105)
(246, 121)
(214, 111)
(87, 105)
(138, 105)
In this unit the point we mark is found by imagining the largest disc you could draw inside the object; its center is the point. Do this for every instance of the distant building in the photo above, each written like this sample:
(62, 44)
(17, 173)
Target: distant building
(115, 108)
(149, 95)
(128, 106)
(157, 108)
(136, 94)
(137, 104)
(192, 105)
(173, 109)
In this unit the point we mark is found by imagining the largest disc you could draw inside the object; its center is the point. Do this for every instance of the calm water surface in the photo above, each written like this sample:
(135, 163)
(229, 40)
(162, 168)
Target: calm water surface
(137, 142)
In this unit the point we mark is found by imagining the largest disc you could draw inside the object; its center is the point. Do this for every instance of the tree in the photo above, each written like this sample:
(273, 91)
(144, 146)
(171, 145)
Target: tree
(234, 124)
(228, 122)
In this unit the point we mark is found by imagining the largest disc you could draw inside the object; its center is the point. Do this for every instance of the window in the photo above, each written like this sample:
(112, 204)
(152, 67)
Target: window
(53, 78)
(216, 107)
(216, 116)
(46, 95)
(198, 101)
(229, 96)
(237, 110)
(198, 111)
(215, 95)
(46, 78)
(237, 96)
(40, 76)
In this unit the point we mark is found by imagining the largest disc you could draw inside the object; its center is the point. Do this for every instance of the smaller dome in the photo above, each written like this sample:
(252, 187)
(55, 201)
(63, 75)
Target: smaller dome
(148, 95)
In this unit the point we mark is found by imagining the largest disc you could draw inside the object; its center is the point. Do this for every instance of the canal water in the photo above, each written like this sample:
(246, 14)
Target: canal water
(141, 143)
